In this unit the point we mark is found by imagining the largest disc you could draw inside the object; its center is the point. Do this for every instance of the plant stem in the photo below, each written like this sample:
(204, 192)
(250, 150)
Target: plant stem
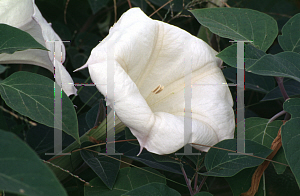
(284, 94)
(281, 87)
(201, 184)
(187, 180)
(276, 116)
(196, 181)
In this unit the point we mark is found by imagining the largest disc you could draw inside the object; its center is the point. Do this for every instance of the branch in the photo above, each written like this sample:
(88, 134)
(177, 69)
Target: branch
(281, 87)
(277, 115)
(187, 180)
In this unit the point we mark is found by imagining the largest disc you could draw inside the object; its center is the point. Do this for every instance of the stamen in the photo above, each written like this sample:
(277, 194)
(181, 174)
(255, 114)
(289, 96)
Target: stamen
(158, 89)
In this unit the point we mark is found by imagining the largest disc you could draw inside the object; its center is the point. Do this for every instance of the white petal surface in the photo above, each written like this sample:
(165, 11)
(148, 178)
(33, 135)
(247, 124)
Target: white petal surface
(148, 53)
(16, 13)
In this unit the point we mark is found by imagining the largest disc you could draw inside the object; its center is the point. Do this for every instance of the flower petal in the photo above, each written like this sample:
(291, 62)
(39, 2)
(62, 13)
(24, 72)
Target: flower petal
(149, 54)
(16, 13)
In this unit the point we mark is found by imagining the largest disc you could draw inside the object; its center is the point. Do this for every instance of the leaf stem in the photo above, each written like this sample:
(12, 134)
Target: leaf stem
(277, 115)
(187, 180)
(201, 184)
(281, 87)
(196, 181)
(284, 94)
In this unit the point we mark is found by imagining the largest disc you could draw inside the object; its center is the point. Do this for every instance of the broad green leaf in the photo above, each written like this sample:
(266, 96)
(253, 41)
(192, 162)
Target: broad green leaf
(219, 163)
(23, 172)
(97, 5)
(280, 157)
(291, 87)
(258, 130)
(290, 137)
(241, 182)
(251, 55)
(129, 178)
(262, 132)
(106, 167)
(239, 24)
(157, 189)
(290, 40)
(284, 64)
(32, 95)
(14, 39)
(255, 82)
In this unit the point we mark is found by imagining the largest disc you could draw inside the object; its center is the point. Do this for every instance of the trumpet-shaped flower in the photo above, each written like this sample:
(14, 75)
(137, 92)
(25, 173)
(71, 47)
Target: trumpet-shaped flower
(149, 59)
(25, 15)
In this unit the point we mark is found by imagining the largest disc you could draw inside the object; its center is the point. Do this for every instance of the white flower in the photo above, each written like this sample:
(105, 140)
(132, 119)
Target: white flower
(149, 60)
(25, 15)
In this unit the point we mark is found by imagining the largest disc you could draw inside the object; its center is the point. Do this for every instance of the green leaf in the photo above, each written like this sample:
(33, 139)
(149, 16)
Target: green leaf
(284, 64)
(241, 182)
(23, 172)
(290, 40)
(239, 24)
(280, 157)
(157, 189)
(219, 163)
(32, 95)
(14, 39)
(255, 82)
(129, 178)
(262, 132)
(105, 167)
(258, 130)
(291, 87)
(97, 5)
(290, 137)
(251, 56)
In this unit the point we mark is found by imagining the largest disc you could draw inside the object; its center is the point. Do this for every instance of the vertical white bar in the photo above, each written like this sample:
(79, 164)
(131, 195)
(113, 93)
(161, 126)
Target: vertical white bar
(57, 103)
(240, 108)
(110, 132)
(240, 117)
(188, 150)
